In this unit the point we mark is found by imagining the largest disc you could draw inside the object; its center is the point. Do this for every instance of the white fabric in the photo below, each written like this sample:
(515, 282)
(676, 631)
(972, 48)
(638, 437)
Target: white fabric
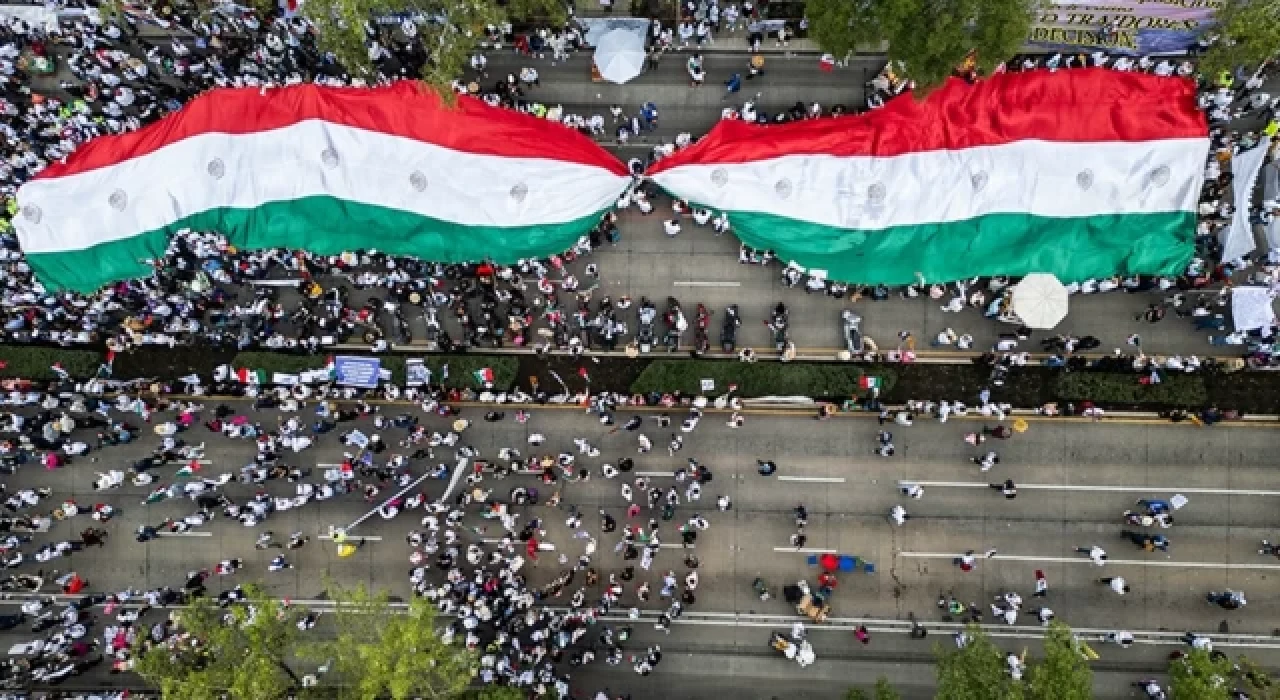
(620, 55)
(1251, 308)
(42, 16)
(1270, 193)
(1035, 177)
(596, 27)
(1040, 300)
(285, 164)
(1238, 239)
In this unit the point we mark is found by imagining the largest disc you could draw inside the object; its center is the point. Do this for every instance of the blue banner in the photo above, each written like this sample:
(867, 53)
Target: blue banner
(357, 371)
(1123, 26)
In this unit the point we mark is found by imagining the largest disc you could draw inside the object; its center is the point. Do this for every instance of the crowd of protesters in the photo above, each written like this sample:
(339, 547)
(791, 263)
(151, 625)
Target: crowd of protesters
(527, 635)
(205, 292)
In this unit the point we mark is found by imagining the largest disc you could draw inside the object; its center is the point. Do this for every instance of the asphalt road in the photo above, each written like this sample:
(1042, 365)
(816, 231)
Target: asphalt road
(1075, 478)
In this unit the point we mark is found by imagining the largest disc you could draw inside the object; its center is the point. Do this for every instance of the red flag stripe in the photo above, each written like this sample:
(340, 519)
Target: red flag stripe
(404, 109)
(1080, 105)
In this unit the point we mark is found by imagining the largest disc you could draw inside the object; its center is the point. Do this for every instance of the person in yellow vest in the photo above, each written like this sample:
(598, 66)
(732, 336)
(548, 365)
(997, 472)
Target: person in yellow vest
(1225, 80)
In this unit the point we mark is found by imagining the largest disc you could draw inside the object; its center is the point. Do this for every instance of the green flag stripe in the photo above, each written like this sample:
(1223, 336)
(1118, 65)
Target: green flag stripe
(1074, 249)
(324, 225)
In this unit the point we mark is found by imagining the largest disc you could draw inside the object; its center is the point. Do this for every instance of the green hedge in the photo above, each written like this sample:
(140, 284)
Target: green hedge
(505, 368)
(1174, 389)
(33, 362)
(816, 380)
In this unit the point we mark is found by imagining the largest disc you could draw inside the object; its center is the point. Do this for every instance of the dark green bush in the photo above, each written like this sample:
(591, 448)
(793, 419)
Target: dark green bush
(1125, 388)
(812, 379)
(36, 362)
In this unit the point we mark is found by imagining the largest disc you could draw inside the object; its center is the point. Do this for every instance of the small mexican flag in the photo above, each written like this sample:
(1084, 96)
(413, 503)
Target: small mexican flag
(868, 382)
(484, 376)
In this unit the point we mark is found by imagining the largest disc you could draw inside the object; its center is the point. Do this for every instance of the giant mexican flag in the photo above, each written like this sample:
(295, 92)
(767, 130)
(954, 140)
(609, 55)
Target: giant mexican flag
(321, 169)
(1080, 173)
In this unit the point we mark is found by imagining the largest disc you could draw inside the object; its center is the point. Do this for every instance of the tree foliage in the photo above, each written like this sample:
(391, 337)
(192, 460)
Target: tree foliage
(376, 651)
(928, 38)
(240, 652)
(882, 691)
(1064, 673)
(977, 671)
(841, 26)
(1248, 34)
(1255, 681)
(1200, 675)
(495, 692)
(449, 31)
(931, 38)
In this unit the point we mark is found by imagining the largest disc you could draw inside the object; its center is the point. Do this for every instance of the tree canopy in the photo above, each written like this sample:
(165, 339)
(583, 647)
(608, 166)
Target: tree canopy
(882, 691)
(929, 38)
(448, 31)
(1200, 675)
(1248, 33)
(976, 671)
(1063, 673)
(366, 648)
(241, 652)
(376, 651)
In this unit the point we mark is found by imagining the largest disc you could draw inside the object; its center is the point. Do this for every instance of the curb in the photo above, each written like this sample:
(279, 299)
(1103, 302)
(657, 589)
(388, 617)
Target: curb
(766, 354)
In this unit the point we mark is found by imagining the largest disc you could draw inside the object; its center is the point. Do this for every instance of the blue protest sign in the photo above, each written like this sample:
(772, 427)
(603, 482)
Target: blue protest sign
(357, 371)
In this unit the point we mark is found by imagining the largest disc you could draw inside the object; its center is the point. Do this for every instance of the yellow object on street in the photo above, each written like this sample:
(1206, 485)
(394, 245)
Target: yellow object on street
(1020, 426)
(346, 549)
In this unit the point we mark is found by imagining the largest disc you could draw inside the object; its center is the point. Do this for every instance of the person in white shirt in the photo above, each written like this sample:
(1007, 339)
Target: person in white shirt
(898, 515)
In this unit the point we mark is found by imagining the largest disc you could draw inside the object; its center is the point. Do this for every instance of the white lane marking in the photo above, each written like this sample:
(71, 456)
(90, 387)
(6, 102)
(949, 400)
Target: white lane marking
(1082, 559)
(184, 534)
(655, 473)
(814, 479)
(1085, 487)
(672, 545)
(360, 538)
(699, 283)
(806, 550)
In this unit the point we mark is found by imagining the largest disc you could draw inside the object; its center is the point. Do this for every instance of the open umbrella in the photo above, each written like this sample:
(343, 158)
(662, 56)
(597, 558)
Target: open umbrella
(829, 562)
(620, 55)
(1040, 300)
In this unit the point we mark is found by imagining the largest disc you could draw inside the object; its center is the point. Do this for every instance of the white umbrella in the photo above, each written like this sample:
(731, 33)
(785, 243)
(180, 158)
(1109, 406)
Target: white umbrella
(1040, 300)
(620, 55)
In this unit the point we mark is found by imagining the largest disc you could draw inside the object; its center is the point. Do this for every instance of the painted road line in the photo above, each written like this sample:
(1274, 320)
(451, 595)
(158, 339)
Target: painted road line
(698, 283)
(814, 479)
(184, 534)
(672, 545)
(655, 473)
(1082, 559)
(1085, 487)
(357, 538)
(809, 550)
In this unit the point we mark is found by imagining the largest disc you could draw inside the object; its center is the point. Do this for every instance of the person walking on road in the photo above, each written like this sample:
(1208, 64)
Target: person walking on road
(987, 461)
(1117, 584)
(1042, 585)
(898, 515)
(1096, 553)
(1008, 488)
